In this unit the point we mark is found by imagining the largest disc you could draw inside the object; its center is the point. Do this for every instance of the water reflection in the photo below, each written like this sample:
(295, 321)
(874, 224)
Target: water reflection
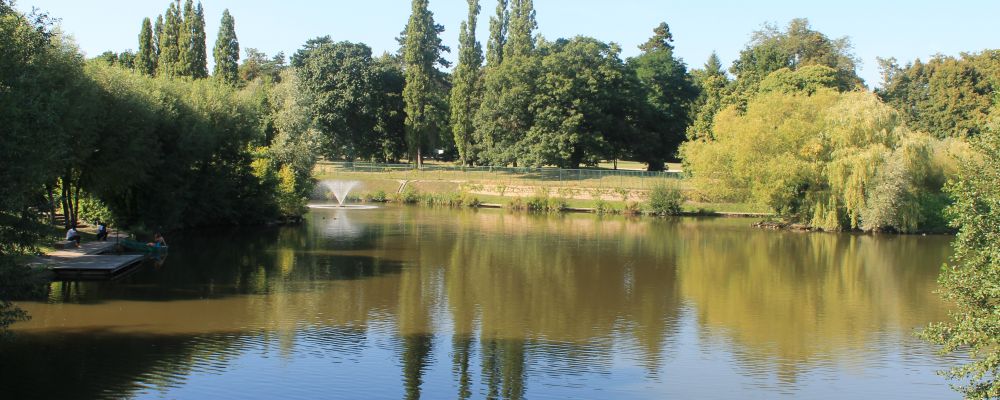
(444, 304)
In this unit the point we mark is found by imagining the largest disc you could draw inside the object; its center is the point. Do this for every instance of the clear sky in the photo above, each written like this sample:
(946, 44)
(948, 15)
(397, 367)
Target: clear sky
(878, 28)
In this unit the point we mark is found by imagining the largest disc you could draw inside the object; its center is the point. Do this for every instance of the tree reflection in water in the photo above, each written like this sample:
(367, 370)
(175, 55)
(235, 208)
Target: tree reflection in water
(507, 305)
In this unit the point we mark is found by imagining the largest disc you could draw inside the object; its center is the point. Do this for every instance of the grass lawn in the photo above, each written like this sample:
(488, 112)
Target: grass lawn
(579, 188)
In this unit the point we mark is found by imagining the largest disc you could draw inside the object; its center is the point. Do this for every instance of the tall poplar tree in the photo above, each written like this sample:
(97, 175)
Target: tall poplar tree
(185, 41)
(199, 61)
(522, 24)
(498, 34)
(169, 61)
(157, 32)
(227, 50)
(421, 51)
(509, 88)
(465, 94)
(146, 59)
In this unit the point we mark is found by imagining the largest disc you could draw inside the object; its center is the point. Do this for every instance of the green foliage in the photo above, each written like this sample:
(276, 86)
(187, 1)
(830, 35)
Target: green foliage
(470, 200)
(712, 84)
(509, 86)
(972, 278)
(498, 34)
(808, 79)
(602, 207)
(198, 66)
(146, 58)
(946, 96)
(423, 96)
(537, 203)
(465, 94)
(832, 160)
(93, 209)
(798, 46)
(407, 196)
(519, 42)
(376, 197)
(169, 43)
(257, 65)
(589, 74)
(43, 109)
(227, 50)
(341, 80)
(668, 92)
(662, 40)
(665, 200)
(192, 59)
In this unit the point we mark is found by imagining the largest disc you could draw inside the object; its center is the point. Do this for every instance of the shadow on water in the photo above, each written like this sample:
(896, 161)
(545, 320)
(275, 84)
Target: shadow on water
(218, 263)
(104, 365)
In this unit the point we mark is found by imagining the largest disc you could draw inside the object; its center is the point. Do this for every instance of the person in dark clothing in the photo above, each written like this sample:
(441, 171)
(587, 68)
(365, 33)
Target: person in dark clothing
(102, 230)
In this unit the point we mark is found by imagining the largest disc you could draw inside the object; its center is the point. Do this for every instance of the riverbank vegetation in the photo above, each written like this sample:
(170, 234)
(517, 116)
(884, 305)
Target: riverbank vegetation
(970, 281)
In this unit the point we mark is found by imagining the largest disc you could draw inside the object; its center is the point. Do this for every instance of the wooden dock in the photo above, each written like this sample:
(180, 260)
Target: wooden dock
(89, 261)
(94, 266)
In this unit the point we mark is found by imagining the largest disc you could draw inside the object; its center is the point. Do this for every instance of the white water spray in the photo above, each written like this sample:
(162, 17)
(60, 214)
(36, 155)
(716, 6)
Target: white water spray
(340, 189)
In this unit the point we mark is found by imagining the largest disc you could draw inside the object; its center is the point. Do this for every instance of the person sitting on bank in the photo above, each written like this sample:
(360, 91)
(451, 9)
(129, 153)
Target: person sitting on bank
(158, 241)
(102, 230)
(73, 236)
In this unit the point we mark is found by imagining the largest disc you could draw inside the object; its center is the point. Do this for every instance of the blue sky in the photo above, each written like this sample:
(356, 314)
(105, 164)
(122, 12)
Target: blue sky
(902, 29)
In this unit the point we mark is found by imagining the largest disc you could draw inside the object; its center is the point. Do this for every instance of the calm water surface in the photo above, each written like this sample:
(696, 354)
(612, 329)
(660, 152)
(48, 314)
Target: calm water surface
(411, 302)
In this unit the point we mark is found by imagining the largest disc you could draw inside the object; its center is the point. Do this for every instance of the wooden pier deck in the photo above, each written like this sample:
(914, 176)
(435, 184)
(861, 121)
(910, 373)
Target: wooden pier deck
(89, 261)
(94, 266)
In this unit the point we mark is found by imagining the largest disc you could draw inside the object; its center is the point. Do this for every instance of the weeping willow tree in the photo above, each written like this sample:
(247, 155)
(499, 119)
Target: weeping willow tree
(828, 159)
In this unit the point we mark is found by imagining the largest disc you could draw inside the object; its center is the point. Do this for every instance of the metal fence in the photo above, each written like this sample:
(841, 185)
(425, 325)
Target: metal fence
(511, 176)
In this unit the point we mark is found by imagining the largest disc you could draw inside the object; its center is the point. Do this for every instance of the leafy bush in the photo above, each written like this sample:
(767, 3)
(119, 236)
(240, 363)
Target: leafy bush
(407, 196)
(665, 200)
(470, 200)
(556, 204)
(93, 210)
(376, 197)
(602, 207)
(537, 203)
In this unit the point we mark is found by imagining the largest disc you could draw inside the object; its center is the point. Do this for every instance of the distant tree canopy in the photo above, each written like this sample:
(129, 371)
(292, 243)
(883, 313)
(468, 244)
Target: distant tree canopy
(771, 49)
(946, 96)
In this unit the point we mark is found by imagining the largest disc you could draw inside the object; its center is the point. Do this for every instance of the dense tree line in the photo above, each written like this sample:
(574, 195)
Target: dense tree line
(103, 138)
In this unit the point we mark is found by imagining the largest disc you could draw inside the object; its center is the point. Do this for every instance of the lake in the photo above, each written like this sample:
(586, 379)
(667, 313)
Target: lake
(408, 302)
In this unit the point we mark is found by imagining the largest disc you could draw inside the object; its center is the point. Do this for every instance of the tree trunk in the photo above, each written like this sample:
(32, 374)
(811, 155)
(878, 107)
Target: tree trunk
(76, 202)
(65, 203)
(50, 190)
(420, 159)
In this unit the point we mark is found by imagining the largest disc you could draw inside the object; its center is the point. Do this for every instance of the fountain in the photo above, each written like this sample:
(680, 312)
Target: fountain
(340, 190)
